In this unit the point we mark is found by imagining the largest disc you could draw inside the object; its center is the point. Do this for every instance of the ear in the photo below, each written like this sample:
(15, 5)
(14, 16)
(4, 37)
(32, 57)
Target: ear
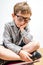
(13, 15)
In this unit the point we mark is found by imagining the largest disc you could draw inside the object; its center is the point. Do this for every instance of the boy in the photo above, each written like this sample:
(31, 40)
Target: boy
(16, 37)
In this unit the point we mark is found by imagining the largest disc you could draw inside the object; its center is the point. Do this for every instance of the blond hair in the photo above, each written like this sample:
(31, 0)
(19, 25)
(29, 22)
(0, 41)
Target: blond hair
(23, 7)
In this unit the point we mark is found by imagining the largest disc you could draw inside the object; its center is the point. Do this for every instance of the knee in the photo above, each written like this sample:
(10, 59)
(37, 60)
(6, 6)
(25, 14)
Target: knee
(37, 45)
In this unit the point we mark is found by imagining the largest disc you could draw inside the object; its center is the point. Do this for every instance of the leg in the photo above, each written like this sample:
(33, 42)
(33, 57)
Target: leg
(30, 47)
(7, 54)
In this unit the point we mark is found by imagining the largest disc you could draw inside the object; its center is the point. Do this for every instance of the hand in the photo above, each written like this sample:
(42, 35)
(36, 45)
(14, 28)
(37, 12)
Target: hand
(23, 26)
(25, 56)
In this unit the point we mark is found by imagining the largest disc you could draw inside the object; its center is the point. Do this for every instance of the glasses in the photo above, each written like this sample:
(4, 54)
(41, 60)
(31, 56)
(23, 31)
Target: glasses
(21, 18)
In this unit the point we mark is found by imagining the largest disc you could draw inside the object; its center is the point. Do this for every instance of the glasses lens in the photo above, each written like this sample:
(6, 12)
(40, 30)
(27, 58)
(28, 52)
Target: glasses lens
(21, 19)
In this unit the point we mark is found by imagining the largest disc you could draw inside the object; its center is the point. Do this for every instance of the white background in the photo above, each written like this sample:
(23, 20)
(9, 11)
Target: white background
(36, 23)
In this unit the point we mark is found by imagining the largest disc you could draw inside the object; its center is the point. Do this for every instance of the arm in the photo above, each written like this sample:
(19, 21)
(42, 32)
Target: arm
(7, 41)
(7, 54)
(27, 37)
(22, 55)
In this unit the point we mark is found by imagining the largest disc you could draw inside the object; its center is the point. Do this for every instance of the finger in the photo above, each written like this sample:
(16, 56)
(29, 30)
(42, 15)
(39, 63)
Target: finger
(29, 58)
(25, 25)
(29, 54)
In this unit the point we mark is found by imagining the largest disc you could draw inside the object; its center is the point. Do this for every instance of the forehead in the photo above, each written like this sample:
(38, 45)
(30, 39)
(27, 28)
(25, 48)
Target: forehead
(24, 15)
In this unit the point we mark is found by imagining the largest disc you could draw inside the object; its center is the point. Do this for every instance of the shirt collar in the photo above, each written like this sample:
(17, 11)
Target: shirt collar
(14, 25)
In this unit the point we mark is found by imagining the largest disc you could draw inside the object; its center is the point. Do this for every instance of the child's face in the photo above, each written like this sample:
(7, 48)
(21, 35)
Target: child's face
(21, 19)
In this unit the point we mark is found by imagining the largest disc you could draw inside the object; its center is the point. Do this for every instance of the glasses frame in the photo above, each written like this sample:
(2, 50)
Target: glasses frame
(24, 18)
